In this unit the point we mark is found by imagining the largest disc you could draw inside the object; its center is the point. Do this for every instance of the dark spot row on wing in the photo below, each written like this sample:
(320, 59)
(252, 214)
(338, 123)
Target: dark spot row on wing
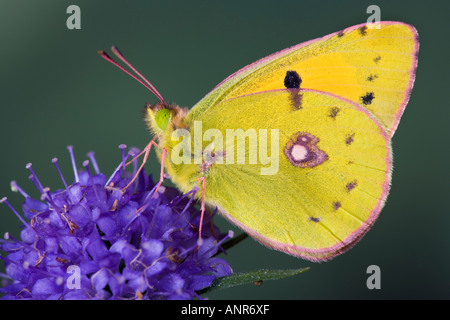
(367, 98)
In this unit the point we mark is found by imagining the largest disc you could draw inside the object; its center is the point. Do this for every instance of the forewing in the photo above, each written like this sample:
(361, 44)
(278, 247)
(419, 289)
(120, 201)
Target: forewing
(372, 67)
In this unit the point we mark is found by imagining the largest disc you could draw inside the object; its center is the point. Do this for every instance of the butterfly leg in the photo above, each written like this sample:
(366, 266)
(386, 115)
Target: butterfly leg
(146, 152)
(202, 179)
(161, 174)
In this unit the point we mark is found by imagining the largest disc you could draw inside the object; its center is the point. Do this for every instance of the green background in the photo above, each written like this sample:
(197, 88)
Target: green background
(55, 91)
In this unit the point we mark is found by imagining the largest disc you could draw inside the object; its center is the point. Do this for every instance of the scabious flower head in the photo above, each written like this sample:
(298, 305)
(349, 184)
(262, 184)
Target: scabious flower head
(92, 240)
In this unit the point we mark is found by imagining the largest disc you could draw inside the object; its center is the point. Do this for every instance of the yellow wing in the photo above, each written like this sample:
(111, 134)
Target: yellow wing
(372, 67)
(330, 179)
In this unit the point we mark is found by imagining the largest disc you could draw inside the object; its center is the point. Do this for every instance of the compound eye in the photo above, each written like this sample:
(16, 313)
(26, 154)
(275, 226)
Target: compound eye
(162, 118)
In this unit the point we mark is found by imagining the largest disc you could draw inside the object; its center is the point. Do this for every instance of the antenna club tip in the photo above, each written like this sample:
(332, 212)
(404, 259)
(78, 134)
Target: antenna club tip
(114, 48)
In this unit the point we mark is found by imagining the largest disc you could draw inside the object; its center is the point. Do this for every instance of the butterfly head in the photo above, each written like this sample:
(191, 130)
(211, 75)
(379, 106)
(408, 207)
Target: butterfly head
(163, 117)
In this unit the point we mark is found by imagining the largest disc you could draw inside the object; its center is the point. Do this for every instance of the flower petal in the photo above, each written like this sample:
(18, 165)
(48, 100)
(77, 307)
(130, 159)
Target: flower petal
(44, 287)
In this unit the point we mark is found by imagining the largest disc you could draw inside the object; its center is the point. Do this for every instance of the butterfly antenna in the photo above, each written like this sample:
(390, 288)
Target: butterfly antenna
(118, 54)
(147, 84)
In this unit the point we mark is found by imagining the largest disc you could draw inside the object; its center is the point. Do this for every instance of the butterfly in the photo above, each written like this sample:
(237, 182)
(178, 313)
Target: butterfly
(295, 148)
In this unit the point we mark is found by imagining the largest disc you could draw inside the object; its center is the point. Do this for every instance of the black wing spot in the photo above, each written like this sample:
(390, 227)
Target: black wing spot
(336, 205)
(351, 185)
(292, 80)
(372, 77)
(334, 112)
(367, 99)
(363, 30)
(377, 59)
(349, 140)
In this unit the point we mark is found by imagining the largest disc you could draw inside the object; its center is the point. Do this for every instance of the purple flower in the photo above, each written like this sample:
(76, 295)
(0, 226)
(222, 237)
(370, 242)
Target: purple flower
(92, 240)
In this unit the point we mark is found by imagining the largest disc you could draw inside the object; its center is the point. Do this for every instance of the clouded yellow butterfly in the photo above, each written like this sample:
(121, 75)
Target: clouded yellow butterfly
(295, 148)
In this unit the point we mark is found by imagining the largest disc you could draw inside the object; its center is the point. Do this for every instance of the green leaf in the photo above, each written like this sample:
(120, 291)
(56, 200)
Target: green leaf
(255, 277)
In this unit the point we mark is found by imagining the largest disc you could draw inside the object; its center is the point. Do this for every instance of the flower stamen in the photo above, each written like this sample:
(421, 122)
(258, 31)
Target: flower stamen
(91, 156)
(5, 200)
(15, 188)
(74, 165)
